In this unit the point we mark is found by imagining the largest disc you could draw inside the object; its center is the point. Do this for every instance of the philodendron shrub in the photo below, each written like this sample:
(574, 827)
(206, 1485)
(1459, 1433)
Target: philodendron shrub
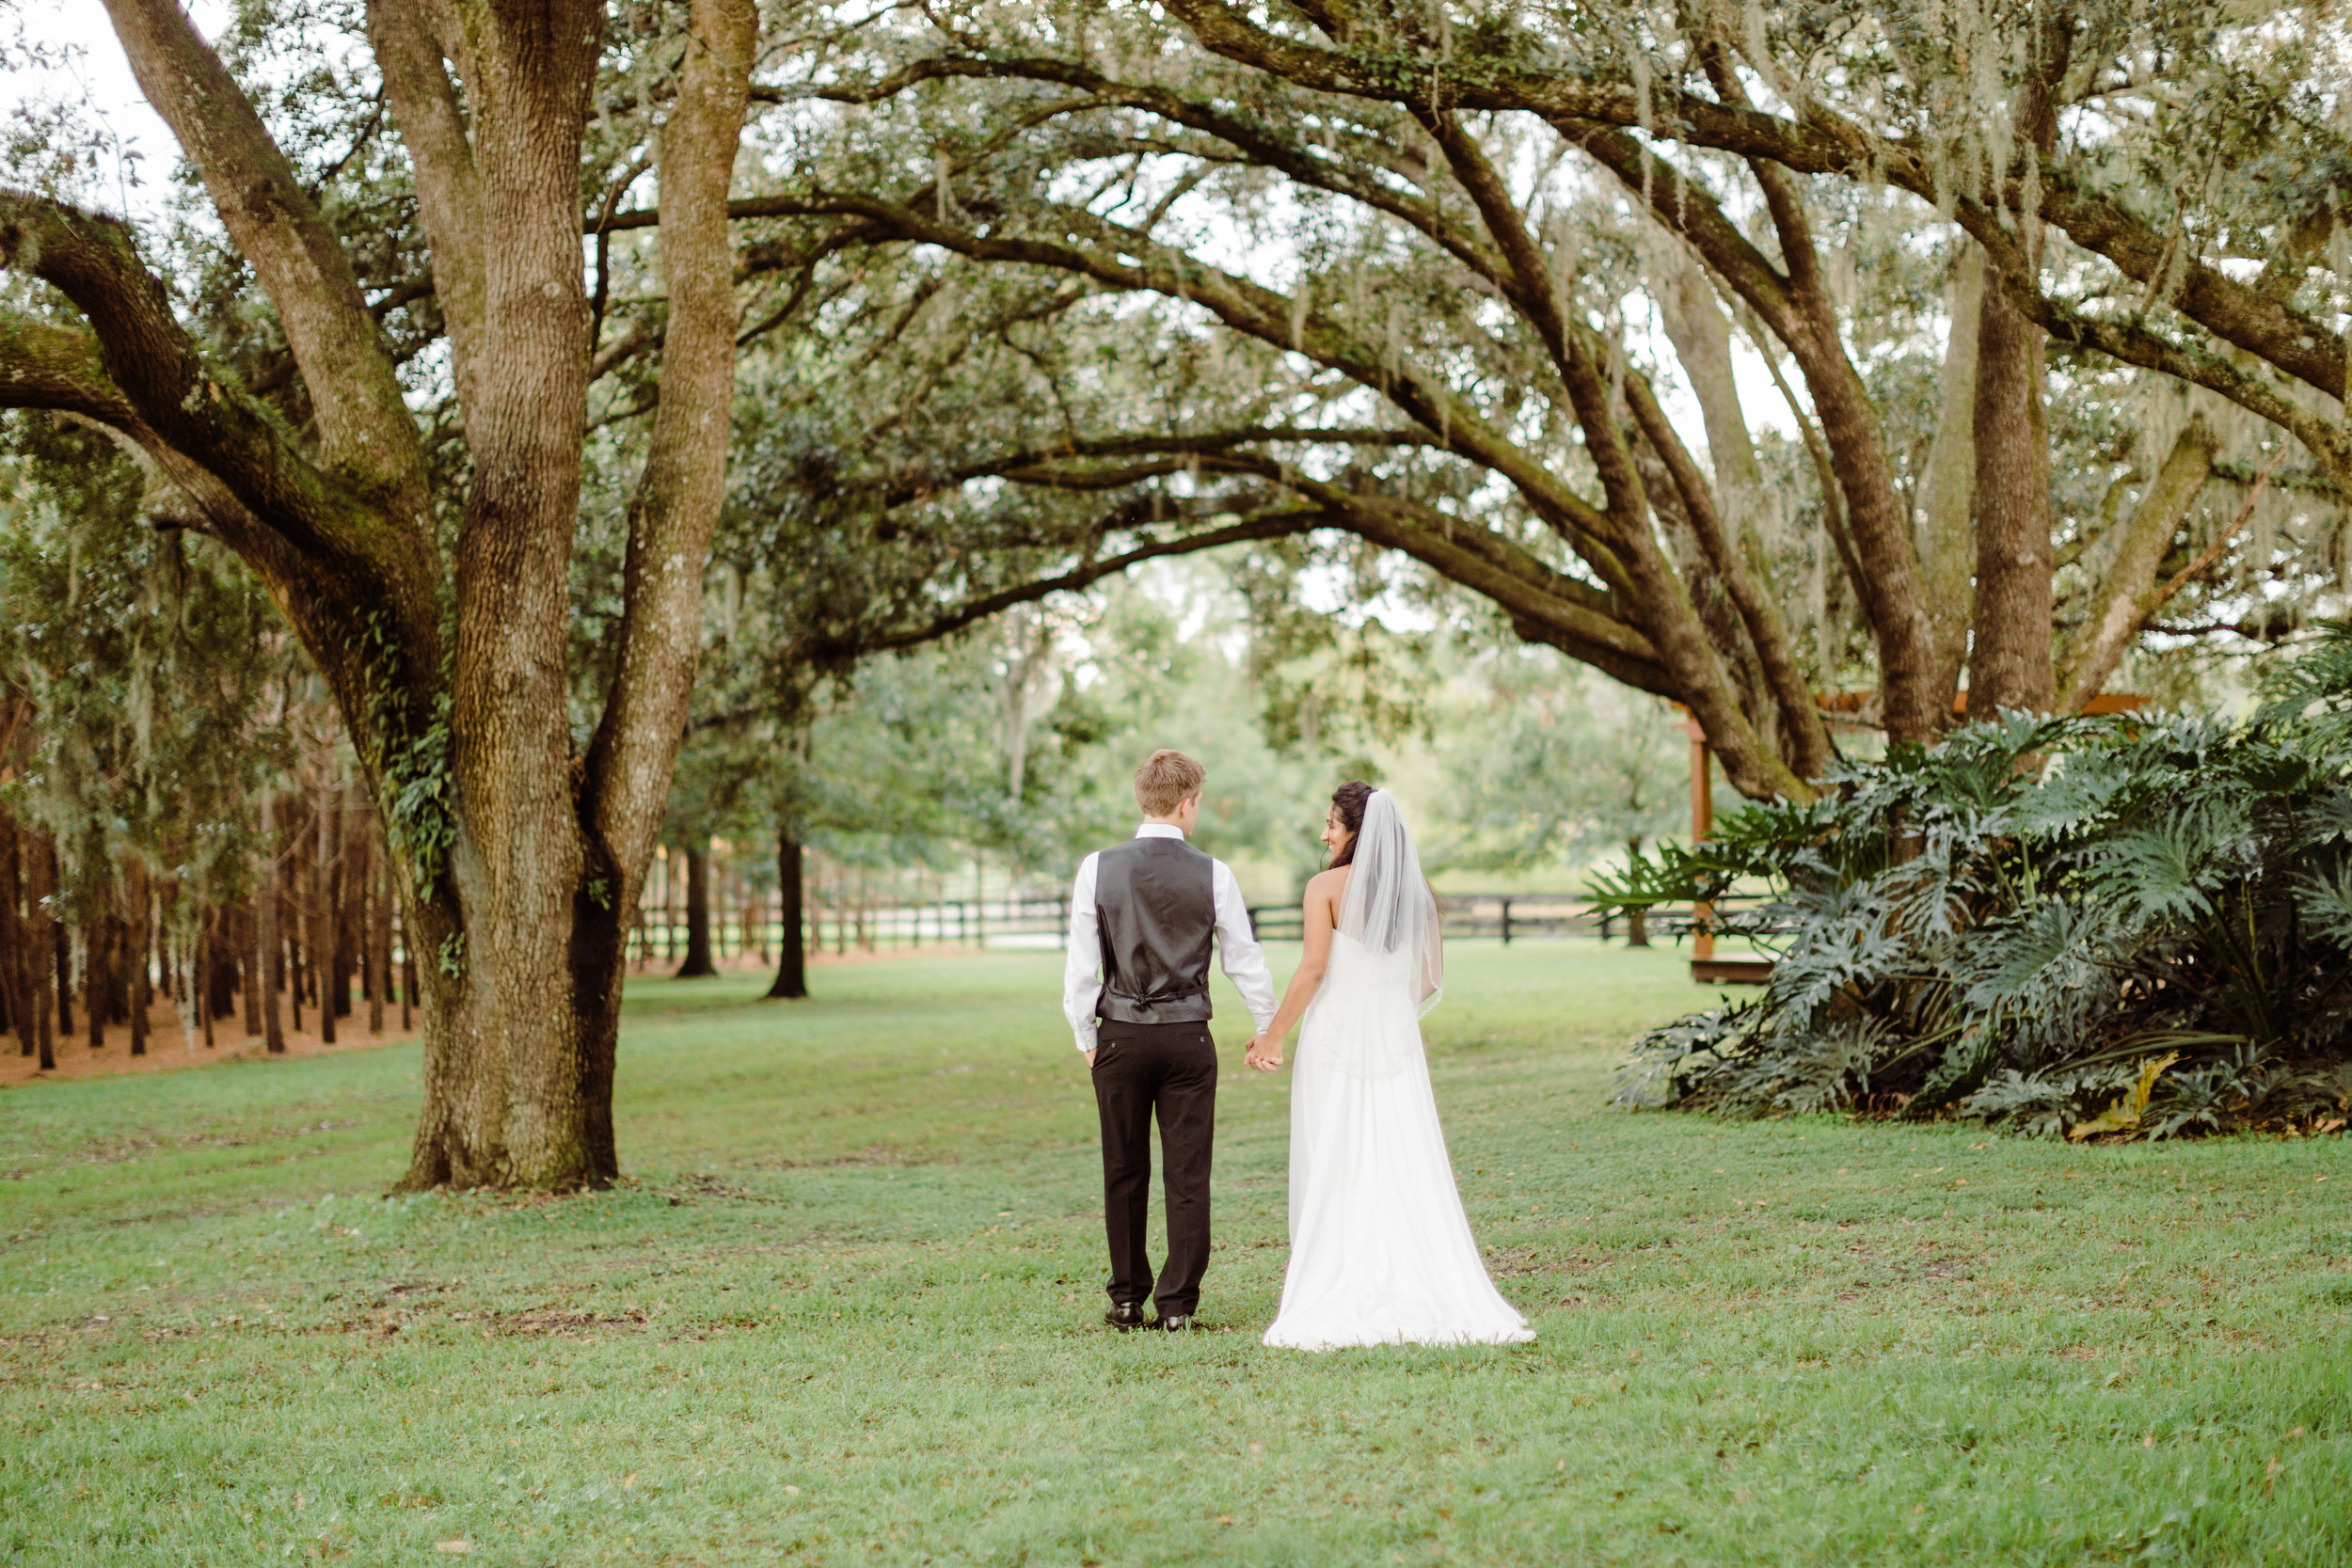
(2139, 925)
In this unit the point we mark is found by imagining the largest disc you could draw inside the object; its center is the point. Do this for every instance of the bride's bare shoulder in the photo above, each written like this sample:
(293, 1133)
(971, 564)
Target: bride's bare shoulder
(1327, 885)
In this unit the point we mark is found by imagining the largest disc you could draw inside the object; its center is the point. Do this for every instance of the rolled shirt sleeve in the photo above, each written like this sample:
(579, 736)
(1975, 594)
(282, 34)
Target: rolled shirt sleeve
(1082, 964)
(1236, 945)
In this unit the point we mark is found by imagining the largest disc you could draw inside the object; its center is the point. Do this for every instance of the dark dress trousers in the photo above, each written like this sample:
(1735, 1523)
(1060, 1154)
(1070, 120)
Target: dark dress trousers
(1156, 906)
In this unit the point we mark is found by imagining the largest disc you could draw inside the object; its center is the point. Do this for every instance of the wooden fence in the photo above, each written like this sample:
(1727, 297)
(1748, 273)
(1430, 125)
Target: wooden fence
(747, 929)
(1042, 921)
(1507, 917)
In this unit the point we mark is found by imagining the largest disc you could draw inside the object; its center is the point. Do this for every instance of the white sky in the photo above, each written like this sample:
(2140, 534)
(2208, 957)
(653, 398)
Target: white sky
(99, 77)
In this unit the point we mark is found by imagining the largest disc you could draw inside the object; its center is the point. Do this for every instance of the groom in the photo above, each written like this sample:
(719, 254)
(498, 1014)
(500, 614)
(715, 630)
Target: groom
(1143, 914)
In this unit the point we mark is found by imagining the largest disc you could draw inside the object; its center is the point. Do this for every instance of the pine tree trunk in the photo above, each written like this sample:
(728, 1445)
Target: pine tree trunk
(48, 976)
(697, 916)
(407, 975)
(95, 965)
(323, 933)
(379, 938)
(175, 959)
(207, 981)
(669, 908)
(297, 971)
(248, 926)
(360, 903)
(268, 949)
(16, 924)
(792, 960)
(341, 892)
(714, 910)
(225, 927)
(139, 924)
(121, 941)
(61, 948)
(115, 979)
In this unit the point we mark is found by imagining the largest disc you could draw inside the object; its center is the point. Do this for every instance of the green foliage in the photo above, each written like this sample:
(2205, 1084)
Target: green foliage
(419, 785)
(1554, 761)
(2013, 925)
(1332, 684)
(154, 673)
(1017, 740)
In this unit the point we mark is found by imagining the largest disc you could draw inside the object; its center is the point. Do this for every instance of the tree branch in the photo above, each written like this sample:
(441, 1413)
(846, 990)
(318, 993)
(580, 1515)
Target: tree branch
(366, 431)
(1801, 717)
(1276, 525)
(432, 126)
(1821, 142)
(632, 755)
(1262, 313)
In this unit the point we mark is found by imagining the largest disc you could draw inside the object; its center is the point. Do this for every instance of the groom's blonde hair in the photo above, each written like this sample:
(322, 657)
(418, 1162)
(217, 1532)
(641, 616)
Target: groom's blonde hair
(1165, 780)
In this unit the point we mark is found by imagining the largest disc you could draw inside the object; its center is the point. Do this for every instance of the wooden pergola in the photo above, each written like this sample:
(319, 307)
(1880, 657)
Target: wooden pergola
(1709, 970)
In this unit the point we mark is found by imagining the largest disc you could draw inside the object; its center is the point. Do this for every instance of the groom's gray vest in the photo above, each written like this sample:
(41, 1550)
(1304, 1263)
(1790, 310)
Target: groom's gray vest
(1157, 901)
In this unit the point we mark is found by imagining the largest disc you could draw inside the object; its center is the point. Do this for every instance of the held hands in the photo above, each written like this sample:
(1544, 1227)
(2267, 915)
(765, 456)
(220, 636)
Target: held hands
(1265, 1054)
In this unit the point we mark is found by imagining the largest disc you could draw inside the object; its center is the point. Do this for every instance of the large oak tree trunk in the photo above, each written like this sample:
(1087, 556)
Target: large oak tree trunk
(2010, 652)
(515, 855)
(2010, 658)
(522, 972)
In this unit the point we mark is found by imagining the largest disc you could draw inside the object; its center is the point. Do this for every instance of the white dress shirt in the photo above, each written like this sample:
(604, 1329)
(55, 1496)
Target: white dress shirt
(1237, 950)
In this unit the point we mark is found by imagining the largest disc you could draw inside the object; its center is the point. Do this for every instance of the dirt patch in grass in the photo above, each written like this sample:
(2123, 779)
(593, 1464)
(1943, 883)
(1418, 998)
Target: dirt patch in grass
(560, 1323)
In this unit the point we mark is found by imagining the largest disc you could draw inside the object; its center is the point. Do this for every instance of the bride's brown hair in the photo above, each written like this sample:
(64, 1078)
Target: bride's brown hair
(1349, 800)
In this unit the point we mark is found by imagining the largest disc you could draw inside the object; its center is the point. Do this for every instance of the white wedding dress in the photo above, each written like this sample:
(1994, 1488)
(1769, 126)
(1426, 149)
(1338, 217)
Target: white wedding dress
(1381, 1253)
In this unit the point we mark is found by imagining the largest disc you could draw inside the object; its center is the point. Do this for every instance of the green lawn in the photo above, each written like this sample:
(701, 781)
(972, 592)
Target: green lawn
(845, 1311)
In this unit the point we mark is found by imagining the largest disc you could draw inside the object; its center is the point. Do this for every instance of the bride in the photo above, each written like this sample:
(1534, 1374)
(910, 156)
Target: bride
(1381, 1253)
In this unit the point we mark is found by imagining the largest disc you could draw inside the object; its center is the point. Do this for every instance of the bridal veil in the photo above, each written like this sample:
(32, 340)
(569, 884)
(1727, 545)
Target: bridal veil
(1388, 906)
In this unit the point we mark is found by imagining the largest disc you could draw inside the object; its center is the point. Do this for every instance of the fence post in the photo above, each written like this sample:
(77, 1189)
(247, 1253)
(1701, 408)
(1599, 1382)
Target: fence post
(1506, 923)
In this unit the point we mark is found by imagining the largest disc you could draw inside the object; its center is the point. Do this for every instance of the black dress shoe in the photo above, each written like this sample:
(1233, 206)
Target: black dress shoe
(1173, 1323)
(1124, 1316)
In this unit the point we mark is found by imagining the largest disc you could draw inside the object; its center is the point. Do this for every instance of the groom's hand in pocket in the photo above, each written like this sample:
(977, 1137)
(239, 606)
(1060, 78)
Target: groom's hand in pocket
(1091, 1057)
